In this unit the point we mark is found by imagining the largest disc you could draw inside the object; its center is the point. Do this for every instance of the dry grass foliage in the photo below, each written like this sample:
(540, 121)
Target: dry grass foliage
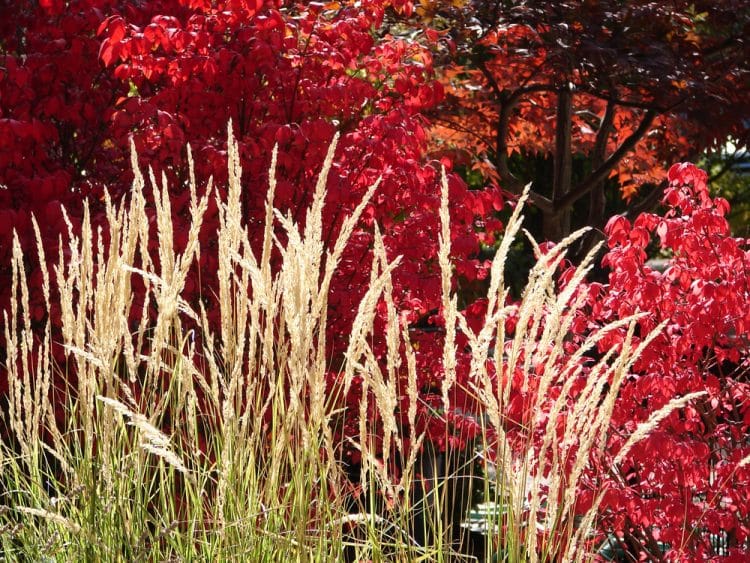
(178, 443)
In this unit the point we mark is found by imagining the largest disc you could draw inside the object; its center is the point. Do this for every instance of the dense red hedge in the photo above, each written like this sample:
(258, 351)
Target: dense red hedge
(683, 480)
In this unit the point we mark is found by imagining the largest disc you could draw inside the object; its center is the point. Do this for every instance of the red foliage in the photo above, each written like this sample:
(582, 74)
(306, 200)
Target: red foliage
(78, 83)
(645, 84)
(78, 80)
(683, 480)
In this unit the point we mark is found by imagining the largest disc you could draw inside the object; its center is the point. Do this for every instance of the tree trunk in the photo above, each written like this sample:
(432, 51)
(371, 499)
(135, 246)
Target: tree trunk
(597, 196)
(557, 220)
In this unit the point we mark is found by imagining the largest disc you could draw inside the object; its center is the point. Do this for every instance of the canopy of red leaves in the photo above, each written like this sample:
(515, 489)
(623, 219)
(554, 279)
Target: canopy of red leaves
(78, 83)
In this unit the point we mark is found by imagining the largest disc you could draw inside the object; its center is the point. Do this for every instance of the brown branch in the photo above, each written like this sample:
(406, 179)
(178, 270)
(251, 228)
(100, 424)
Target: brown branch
(563, 165)
(507, 101)
(489, 77)
(648, 203)
(646, 106)
(462, 128)
(543, 203)
(597, 200)
(602, 135)
(515, 96)
(601, 173)
(505, 108)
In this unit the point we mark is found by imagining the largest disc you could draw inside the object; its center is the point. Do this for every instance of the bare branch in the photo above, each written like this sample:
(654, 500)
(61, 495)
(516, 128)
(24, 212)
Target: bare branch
(464, 129)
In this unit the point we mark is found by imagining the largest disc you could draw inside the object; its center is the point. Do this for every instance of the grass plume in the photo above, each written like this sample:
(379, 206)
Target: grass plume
(178, 442)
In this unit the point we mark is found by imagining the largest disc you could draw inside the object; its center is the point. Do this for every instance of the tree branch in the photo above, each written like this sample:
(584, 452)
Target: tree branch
(458, 127)
(648, 203)
(726, 166)
(562, 177)
(489, 77)
(515, 96)
(597, 198)
(602, 172)
(543, 203)
(507, 101)
(597, 201)
(646, 106)
(505, 108)
(602, 135)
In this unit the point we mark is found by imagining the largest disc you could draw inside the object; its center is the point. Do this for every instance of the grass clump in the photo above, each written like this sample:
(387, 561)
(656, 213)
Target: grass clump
(175, 441)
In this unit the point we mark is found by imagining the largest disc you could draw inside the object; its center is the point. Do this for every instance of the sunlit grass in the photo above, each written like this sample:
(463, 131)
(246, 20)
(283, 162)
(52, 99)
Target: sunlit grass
(181, 443)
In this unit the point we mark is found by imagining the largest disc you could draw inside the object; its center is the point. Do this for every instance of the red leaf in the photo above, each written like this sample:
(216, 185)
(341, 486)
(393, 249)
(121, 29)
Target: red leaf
(106, 54)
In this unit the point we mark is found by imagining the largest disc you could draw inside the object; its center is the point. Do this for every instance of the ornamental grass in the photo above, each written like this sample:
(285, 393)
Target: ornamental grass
(171, 439)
